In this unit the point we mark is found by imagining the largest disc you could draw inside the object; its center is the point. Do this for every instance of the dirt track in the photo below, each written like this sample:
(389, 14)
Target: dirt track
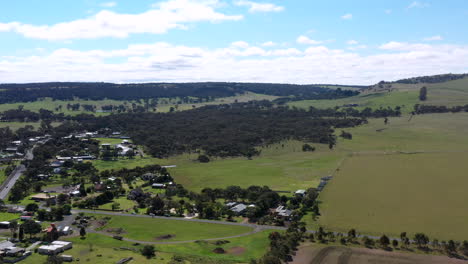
(310, 254)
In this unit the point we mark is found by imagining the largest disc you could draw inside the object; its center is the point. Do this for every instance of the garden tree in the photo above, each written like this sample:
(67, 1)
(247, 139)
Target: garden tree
(148, 251)
(31, 207)
(13, 226)
(31, 227)
(130, 154)
(62, 198)
(386, 120)
(464, 247)
(450, 247)
(66, 209)
(423, 93)
(395, 243)
(115, 206)
(384, 241)
(435, 243)
(352, 234)
(21, 233)
(421, 239)
(306, 147)
(156, 206)
(367, 242)
(42, 215)
(203, 159)
(53, 259)
(82, 231)
(346, 135)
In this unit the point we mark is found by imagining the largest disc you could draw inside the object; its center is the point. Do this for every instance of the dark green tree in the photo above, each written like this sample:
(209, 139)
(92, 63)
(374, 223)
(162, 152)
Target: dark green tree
(423, 93)
(148, 251)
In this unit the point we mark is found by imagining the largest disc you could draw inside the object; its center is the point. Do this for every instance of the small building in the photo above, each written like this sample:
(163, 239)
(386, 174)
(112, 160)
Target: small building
(300, 192)
(14, 251)
(4, 224)
(26, 217)
(158, 186)
(42, 177)
(74, 193)
(5, 244)
(56, 164)
(43, 197)
(66, 231)
(125, 142)
(239, 208)
(67, 258)
(282, 212)
(54, 248)
(231, 204)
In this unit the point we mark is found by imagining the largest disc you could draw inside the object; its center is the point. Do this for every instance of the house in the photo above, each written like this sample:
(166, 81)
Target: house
(14, 251)
(66, 231)
(106, 146)
(148, 176)
(25, 217)
(63, 158)
(43, 197)
(4, 224)
(16, 142)
(300, 192)
(231, 204)
(54, 248)
(5, 244)
(125, 142)
(74, 193)
(158, 186)
(57, 170)
(99, 187)
(42, 177)
(12, 149)
(282, 212)
(239, 208)
(56, 164)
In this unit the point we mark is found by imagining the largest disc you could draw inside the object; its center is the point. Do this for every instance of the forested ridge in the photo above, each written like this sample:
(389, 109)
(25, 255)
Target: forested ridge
(12, 93)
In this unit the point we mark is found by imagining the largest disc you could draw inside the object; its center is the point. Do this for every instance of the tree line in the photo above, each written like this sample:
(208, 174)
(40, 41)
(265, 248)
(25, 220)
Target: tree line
(12, 93)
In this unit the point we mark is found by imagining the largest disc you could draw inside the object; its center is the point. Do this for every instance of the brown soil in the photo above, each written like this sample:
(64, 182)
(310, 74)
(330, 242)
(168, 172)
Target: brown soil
(165, 237)
(236, 251)
(343, 255)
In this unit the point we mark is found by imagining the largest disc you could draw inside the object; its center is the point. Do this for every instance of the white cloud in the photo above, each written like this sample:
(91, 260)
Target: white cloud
(172, 14)
(305, 40)
(434, 38)
(417, 4)
(259, 7)
(240, 44)
(388, 11)
(268, 44)
(358, 47)
(164, 62)
(352, 42)
(108, 4)
(347, 16)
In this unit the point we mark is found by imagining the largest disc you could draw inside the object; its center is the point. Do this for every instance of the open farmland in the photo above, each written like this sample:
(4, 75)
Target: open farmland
(399, 192)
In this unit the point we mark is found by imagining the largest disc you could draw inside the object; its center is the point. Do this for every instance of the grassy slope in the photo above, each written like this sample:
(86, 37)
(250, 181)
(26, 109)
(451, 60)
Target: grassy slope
(378, 193)
(406, 95)
(15, 125)
(282, 168)
(147, 229)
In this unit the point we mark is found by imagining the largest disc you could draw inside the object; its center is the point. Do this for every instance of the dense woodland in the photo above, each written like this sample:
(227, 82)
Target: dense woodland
(13, 93)
(220, 130)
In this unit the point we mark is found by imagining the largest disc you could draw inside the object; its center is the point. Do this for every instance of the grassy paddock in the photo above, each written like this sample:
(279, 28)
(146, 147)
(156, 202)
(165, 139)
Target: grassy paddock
(148, 229)
(401, 192)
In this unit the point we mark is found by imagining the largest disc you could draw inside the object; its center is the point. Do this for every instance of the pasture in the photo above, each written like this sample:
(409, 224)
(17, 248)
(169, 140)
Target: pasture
(149, 229)
(392, 193)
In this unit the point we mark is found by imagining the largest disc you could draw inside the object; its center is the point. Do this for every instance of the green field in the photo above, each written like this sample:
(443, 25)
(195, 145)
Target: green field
(112, 141)
(15, 125)
(401, 192)
(8, 216)
(148, 229)
(125, 204)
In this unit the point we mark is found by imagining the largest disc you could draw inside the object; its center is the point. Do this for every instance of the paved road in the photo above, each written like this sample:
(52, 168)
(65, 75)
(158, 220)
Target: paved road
(14, 176)
(254, 226)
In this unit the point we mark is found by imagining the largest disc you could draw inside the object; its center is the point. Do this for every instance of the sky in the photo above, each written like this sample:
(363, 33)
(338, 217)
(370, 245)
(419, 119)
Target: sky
(277, 41)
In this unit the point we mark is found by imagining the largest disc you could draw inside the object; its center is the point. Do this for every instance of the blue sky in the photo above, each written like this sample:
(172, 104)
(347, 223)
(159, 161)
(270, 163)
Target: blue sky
(295, 41)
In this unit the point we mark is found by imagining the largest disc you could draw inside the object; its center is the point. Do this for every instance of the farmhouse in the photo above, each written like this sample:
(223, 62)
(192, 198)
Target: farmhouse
(158, 186)
(54, 248)
(239, 209)
(282, 212)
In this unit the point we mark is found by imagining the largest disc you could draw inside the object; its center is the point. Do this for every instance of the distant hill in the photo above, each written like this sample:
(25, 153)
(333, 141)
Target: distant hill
(12, 93)
(433, 78)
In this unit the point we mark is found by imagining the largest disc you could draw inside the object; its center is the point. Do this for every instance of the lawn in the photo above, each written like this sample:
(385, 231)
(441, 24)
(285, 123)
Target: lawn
(148, 229)
(400, 192)
(112, 141)
(8, 216)
(125, 204)
(126, 163)
(2, 176)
